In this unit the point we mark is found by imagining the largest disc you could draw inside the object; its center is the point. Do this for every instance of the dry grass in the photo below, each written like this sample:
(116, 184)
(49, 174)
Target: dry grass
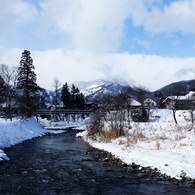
(158, 145)
(133, 137)
(154, 135)
(108, 136)
(179, 137)
(159, 137)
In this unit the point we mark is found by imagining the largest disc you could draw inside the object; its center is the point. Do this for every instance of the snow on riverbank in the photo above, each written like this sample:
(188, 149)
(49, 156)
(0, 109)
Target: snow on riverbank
(16, 131)
(78, 123)
(159, 144)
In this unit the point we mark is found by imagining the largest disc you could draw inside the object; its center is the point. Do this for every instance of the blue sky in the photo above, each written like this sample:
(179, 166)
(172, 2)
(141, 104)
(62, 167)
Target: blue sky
(137, 40)
(88, 33)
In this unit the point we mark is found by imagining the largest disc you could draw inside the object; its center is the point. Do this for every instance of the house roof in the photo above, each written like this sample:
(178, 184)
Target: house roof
(155, 99)
(135, 103)
(190, 95)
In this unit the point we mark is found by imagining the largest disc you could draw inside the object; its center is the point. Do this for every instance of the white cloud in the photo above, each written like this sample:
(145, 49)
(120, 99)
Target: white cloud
(93, 25)
(95, 28)
(15, 13)
(157, 18)
(70, 65)
(98, 25)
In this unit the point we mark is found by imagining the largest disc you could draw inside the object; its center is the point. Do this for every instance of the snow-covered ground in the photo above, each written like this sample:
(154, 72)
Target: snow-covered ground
(159, 144)
(67, 123)
(16, 131)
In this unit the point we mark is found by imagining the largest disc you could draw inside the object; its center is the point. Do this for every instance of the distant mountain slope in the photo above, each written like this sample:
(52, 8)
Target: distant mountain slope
(94, 90)
(177, 88)
(97, 88)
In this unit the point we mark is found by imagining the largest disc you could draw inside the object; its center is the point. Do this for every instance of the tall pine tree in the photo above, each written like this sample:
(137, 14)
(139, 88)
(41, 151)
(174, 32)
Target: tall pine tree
(26, 85)
(65, 96)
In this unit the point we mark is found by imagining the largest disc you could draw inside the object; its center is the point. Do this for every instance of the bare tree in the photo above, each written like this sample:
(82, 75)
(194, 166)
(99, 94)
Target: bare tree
(173, 107)
(143, 93)
(123, 100)
(191, 109)
(56, 84)
(9, 74)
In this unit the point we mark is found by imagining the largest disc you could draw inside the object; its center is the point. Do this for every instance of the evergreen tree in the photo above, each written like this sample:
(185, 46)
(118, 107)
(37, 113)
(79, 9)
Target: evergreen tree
(26, 85)
(80, 101)
(73, 96)
(65, 96)
(77, 98)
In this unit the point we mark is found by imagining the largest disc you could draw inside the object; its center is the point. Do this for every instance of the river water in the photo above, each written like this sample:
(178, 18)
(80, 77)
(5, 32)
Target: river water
(54, 164)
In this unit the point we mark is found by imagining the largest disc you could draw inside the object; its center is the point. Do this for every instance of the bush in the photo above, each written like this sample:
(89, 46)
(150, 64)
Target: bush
(96, 127)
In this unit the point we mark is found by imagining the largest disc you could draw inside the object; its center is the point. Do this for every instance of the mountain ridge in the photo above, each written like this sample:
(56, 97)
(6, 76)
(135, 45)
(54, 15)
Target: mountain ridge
(96, 89)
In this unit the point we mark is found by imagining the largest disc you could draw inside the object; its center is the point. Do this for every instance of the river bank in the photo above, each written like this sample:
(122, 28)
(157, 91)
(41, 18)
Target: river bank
(166, 148)
(15, 131)
(172, 164)
(64, 164)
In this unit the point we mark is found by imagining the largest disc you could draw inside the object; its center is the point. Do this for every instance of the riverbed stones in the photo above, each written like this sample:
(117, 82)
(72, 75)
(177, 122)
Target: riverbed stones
(109, 159)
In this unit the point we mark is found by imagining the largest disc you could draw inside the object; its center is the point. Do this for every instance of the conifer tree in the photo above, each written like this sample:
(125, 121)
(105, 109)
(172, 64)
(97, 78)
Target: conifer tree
(26, 84)
(66, 96)
(77, 98)
(80, 101)
(73, 96)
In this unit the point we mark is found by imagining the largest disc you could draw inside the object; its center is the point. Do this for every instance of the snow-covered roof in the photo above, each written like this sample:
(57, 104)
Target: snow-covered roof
(190, 95)
(135, 103)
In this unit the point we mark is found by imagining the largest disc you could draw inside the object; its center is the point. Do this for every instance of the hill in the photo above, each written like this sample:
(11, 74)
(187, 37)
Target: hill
(177, 88)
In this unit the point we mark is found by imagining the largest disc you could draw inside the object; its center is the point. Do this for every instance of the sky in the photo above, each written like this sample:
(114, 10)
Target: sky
(149, 43)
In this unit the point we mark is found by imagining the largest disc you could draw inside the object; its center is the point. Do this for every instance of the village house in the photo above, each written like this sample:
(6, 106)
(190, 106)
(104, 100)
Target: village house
(152, 102)
(180, 102)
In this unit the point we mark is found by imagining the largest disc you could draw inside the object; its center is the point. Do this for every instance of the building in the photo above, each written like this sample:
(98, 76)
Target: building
(180, 102)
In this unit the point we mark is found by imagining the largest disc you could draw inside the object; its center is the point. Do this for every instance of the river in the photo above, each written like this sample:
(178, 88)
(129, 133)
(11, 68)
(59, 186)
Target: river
(55, 164)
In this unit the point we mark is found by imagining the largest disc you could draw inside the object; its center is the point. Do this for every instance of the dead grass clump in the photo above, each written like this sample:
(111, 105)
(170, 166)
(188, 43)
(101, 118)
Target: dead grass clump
(158, 145)
(133, 137)
(179, 137)
(109, 135)
(139, 136)
(131, 141)
(159, 137)
(179, 128)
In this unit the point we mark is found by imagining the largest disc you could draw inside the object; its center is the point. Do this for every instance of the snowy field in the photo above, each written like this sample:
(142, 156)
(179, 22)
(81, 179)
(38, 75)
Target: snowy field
(159, 144)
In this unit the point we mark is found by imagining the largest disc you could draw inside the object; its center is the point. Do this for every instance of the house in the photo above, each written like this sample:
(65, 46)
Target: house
(135, 104)
(152, 102)
(180, 102)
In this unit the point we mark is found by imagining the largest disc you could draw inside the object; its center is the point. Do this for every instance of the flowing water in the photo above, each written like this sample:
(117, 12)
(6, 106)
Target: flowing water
(54, 164)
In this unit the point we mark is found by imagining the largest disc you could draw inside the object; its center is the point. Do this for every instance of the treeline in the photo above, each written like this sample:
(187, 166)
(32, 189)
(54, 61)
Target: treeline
(72, 99)
(20, 95)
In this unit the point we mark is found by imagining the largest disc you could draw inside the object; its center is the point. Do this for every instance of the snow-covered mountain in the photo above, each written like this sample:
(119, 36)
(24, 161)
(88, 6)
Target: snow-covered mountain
(97, 88)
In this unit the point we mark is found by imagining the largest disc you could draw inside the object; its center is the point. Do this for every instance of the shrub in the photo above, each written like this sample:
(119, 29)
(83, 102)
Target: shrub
(96, 127)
